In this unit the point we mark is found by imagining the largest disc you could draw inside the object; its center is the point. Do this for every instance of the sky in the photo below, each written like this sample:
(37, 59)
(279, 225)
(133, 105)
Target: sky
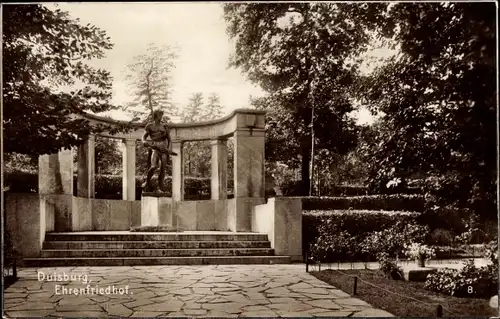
(198, 32)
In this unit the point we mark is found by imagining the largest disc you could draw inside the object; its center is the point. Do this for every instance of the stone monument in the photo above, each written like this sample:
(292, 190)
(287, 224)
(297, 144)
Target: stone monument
(156, 206)
(157, 138)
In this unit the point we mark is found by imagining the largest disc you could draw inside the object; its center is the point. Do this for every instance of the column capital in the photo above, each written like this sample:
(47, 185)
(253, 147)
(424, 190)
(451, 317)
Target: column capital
(129, 141)
(257, 132)
(219, 141)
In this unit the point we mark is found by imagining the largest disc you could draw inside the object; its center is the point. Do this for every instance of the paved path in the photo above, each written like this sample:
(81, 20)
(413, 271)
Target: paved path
(222, 291)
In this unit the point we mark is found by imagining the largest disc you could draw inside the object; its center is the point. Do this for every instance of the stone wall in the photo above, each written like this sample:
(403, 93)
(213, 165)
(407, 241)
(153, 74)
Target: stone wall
(281, 219)
(201, 215)
(28, 216)
(108, 214)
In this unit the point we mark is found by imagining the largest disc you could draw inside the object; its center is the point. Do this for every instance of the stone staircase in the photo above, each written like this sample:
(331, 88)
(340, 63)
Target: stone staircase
(115, 248)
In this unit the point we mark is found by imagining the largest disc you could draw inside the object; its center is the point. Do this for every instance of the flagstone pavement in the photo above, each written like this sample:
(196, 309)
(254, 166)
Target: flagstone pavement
(179, 291)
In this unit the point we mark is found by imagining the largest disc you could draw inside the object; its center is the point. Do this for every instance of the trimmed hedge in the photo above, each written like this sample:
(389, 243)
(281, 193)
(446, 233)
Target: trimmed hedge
(294, 188)
(110, 186)
(356, 223)
(21, 182)
(400, 202)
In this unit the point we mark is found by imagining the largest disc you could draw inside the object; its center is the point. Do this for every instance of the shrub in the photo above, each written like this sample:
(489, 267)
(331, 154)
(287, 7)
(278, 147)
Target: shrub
(291, 188)
(418, 251)
(412, 203)
(441, 237)
(393, 240)
(472, 234)
(470, 281)
(389, 266)
(339, 246)
(353, 222)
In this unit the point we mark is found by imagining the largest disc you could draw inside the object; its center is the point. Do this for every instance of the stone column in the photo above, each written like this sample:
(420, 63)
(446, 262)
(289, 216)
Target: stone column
(55, 173)
(86, 169)
(129, 169)
(249, 163)
(178, 171)
(219, 169)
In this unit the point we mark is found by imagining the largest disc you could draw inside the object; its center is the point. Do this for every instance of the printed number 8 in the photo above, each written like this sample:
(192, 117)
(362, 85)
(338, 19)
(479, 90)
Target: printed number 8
(470, 290)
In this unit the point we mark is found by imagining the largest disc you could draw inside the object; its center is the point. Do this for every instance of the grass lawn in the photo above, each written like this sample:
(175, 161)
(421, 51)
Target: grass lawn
(399, 306)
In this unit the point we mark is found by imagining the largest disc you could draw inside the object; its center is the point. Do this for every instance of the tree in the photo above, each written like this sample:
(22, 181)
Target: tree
(213, 109)
(44, 51)
(20, 162)
(149, 79)
(438, 97)
(303, 55)
(193, 112)
(108, 158)
(198, 153)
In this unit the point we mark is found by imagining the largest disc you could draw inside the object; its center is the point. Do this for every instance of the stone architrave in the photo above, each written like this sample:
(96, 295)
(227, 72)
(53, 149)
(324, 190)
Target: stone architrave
(86, 169)
(129, 169)
(249, 163)
(178, 171)
(219, 169)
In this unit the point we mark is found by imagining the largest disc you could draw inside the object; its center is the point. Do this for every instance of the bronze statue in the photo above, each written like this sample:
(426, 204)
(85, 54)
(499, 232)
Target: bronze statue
(160, 144)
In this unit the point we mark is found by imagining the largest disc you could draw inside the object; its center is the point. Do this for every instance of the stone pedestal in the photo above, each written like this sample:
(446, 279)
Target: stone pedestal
(156, 210)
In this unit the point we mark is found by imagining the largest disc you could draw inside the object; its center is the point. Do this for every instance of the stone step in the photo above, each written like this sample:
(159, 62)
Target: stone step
(155, 253)
(148, 261)
(176, 244)
(157, 236)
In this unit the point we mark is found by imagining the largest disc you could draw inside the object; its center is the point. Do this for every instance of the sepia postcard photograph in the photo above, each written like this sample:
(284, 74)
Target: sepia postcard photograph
(249, 159)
